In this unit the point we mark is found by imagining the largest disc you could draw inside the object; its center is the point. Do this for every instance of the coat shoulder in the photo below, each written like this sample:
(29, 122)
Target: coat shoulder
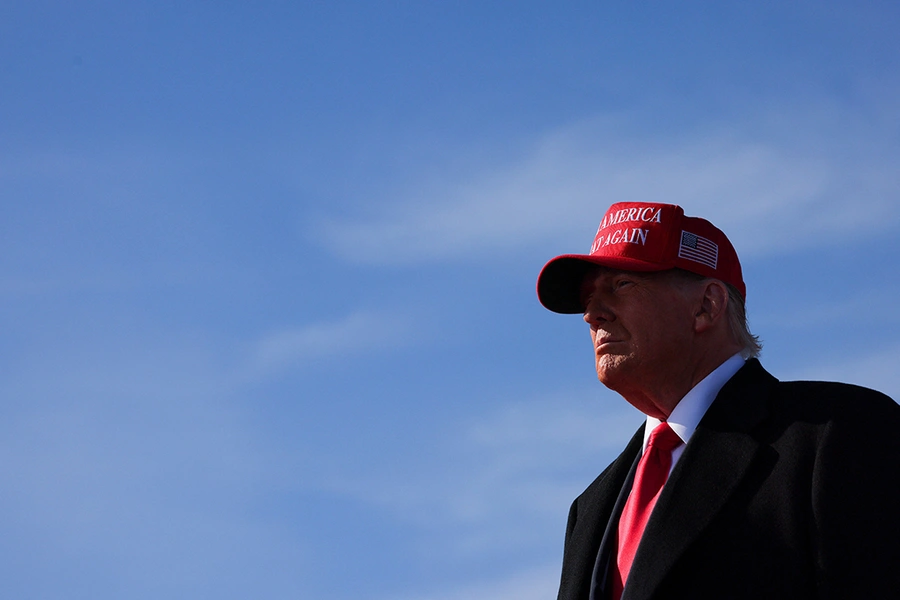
(833, 402)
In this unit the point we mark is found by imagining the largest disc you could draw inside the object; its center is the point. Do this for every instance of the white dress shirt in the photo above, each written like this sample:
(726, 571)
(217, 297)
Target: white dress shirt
(693, 406)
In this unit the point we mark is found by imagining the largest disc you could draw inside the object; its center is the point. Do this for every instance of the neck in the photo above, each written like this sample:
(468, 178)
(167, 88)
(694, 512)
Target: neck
(659, 398)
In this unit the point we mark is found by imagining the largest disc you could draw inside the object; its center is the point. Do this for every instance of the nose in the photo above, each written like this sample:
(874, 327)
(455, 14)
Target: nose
(597, 312)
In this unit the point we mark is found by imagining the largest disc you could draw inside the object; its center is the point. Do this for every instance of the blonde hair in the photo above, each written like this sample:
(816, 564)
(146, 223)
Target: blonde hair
(751, 346)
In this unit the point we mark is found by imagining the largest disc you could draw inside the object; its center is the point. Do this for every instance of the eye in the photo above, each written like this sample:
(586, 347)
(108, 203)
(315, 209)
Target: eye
(621, 282)
(586, 291)
(584, 297)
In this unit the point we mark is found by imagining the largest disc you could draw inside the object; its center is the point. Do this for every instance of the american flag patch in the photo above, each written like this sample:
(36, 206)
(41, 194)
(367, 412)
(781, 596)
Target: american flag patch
(698, 249)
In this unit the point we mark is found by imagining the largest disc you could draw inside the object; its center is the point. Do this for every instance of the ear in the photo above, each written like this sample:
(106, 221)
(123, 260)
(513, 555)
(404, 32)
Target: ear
(712, 307)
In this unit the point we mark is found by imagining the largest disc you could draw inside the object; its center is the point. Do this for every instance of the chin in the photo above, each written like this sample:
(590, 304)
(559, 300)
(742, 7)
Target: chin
(611, 370)
(607, 377)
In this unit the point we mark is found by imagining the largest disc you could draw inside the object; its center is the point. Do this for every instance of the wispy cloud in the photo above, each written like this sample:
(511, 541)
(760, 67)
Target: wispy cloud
(144, 464)
(354, 333)
(522, 463)
(807, 178)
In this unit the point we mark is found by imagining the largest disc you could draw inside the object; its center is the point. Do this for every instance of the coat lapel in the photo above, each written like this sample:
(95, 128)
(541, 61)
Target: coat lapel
(714, 463)
(591, 512)
(600, 575)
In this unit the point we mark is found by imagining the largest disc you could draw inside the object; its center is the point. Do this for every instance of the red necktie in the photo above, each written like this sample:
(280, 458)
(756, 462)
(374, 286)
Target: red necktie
(651, 474)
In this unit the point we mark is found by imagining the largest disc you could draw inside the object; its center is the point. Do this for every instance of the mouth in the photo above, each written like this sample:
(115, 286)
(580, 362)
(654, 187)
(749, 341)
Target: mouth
(603, 343)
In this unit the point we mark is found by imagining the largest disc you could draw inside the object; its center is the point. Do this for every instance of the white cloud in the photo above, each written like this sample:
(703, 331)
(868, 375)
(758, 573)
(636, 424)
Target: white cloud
(523, 463)
(814, 177)
(150, 471)
(544, 434)
(358, 332)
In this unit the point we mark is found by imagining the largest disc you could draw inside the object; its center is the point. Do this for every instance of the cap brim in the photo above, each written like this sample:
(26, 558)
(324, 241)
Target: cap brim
(559, 284)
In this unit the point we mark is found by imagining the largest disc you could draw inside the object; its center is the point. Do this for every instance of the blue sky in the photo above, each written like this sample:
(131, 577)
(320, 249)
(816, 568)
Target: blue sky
(267, 270)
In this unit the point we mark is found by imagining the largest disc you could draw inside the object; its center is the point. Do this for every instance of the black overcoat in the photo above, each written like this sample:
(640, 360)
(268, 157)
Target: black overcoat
(785, 490)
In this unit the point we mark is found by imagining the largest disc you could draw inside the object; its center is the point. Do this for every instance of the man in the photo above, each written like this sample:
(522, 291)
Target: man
(738, 485)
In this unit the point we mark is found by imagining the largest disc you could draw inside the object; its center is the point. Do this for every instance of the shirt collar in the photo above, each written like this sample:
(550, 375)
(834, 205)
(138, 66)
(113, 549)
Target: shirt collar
(688, 412)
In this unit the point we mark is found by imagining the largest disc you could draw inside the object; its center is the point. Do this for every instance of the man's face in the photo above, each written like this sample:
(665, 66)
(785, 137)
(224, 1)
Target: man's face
(641, 327)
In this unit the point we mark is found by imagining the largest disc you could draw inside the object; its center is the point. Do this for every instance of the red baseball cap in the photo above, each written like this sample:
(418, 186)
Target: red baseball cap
(642, 236)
